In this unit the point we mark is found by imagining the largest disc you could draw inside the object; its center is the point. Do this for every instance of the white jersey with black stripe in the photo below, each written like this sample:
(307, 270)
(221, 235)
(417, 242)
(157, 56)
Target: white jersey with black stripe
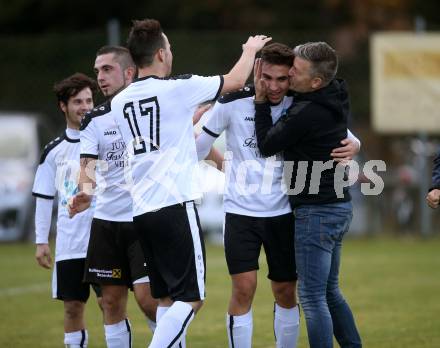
(154, 116)
(57, 174)
(102, 140)
(254, 185)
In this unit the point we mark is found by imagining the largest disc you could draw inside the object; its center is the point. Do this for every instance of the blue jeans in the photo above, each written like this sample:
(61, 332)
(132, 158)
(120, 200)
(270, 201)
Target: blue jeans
(319, 230)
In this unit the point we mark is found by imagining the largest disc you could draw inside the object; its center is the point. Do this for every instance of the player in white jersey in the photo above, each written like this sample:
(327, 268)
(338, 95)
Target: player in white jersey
(113, 241)
(257, 210)
(154, 116)
(57, 174)
(115, 259)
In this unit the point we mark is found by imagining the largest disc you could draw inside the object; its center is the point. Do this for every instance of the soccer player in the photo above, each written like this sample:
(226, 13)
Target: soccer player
(57, 174)
(314, 125)
(115, 259)
(257, 210)
(154, 115)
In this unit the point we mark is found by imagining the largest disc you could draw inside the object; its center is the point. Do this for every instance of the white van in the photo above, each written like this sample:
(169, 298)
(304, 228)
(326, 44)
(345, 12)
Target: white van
(19, 152)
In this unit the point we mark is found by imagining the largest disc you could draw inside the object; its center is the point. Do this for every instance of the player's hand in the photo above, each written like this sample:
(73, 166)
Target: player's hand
(200, 111)
(78, 203)
(256, 43)
(346, 152)
(433, 198)
(259, 83)
(42, 255)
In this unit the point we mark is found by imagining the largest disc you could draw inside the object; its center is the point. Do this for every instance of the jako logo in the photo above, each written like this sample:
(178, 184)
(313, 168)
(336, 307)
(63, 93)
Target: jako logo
(110, 132)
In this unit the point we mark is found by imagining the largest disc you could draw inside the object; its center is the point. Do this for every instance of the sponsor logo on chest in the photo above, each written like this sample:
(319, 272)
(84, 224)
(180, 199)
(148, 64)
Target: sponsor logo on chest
(110, 132)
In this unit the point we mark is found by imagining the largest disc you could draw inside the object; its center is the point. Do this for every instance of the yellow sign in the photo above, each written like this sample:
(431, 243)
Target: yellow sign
(406, 82)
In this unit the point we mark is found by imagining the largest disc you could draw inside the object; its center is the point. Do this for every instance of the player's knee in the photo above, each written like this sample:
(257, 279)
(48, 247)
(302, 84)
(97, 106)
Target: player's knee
(243, 292)
(112, 303)
(73, 310)
(285, 293)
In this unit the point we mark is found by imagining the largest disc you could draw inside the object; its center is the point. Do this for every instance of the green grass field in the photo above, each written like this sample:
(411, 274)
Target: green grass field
(392, 285)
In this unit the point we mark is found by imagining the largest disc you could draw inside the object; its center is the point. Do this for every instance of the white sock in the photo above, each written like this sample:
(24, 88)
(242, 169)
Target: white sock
(286, 326)
(118, 335)
(171, 326)
(160, 311)
(239, 329)
(76, 339)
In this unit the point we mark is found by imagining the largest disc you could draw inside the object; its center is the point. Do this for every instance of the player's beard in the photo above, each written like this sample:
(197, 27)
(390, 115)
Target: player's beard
(110, 96)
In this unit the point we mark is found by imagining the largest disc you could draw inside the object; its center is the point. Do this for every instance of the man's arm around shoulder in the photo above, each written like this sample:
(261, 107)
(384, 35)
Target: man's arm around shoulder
(288, 130)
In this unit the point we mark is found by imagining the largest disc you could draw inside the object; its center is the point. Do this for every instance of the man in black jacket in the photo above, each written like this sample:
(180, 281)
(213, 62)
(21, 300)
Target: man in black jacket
(315, 124)
(433, 197)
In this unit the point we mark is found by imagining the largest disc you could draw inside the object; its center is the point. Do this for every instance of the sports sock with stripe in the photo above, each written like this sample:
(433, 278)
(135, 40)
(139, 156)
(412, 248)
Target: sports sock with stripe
(172, 325)
(118, 335)
(161, 310)
(286, 326)
(76, 339)
(239, 329)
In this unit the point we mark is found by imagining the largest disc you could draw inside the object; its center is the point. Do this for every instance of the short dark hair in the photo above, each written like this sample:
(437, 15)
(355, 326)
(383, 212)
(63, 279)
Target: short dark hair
(72, 85)
(122, 55)
(277, 54)
(144, 40)
(323, 58)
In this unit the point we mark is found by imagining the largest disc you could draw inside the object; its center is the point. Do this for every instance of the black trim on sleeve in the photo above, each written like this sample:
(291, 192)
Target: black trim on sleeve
(245, 92)
(176, 77)
(222, 81)
(100, 110)
(211, 133)
(39, 195)
(88, 155)
(49, 147)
